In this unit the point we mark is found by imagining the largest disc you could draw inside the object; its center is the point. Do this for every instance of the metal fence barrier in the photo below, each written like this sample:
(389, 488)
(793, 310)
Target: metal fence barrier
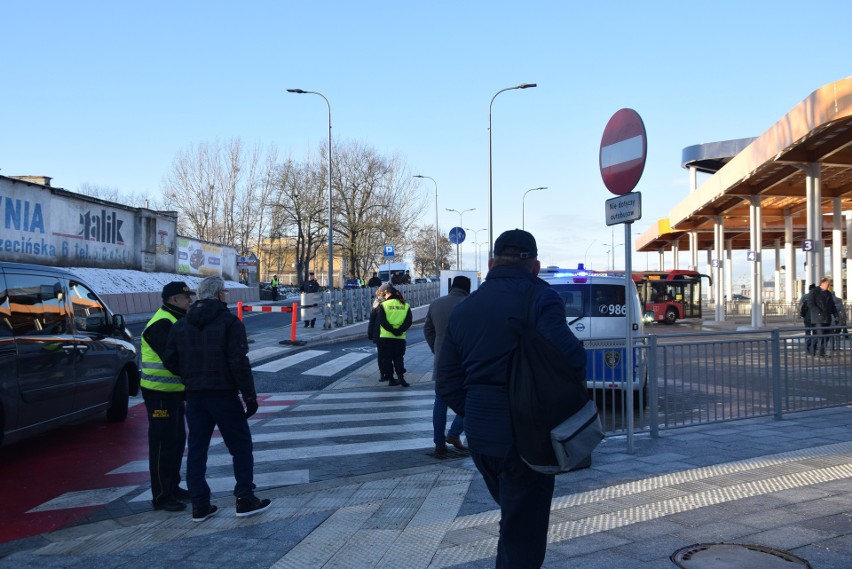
(349, 306)
(720, 376)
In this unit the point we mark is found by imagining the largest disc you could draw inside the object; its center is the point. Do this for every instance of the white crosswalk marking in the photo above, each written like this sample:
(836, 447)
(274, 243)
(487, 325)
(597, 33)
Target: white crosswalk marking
(296, 358)
(337, 364)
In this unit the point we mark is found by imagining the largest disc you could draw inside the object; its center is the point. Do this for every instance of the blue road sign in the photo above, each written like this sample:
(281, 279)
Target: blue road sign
(389, 251)
(457, 235)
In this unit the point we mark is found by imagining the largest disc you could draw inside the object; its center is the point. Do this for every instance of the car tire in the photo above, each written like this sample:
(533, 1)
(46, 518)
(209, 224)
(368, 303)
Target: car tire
(117, 411)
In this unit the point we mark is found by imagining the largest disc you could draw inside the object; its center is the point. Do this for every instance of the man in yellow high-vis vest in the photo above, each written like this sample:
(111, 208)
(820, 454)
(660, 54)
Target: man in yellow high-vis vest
(164, 396)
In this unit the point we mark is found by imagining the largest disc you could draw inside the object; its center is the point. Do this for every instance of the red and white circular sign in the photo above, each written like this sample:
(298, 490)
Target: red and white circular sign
(624, 148)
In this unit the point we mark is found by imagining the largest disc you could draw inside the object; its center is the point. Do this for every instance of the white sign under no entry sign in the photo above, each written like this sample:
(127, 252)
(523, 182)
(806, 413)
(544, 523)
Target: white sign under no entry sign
(623, 209)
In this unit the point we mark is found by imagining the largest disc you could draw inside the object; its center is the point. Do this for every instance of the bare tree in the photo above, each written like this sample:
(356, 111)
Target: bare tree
(220, 191)
(111, 194)
(423, 246)
(374, 201)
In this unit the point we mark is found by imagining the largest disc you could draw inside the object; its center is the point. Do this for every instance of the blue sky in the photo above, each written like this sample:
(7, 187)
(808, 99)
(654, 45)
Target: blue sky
(107, 93)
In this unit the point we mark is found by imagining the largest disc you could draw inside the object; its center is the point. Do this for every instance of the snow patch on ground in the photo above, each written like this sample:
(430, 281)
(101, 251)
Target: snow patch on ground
(118, 281)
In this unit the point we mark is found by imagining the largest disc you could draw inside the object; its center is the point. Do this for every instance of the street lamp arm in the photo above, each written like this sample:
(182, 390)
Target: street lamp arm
(490, 173)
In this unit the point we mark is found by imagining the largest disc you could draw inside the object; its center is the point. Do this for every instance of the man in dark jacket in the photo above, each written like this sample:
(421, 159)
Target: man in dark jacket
(433, 330)
(208, 349)
(374, 281)
(472, 378)
(810, 342)
(820, 311)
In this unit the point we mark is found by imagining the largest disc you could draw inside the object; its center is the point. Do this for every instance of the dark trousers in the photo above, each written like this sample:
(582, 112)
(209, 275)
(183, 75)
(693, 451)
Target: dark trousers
(810, 338)
(439, 423)
(821, 337)
(203, 414)
(391, 357)
(524, 498)
(166, 439)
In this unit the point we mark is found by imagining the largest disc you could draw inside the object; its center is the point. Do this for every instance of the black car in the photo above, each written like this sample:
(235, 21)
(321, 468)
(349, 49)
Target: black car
(63, 354)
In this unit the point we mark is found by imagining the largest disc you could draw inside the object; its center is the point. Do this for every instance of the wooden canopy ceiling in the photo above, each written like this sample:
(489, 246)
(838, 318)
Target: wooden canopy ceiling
(817, 131)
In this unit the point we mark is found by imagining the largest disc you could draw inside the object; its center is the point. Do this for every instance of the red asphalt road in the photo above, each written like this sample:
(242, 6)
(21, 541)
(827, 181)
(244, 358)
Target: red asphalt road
(70, 459)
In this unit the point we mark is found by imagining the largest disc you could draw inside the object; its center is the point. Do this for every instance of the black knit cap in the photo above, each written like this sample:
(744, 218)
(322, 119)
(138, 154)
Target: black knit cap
(521, 243)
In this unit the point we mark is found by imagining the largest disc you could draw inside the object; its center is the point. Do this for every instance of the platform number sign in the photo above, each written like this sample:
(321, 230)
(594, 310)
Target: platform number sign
(751, 255)
(809, 245)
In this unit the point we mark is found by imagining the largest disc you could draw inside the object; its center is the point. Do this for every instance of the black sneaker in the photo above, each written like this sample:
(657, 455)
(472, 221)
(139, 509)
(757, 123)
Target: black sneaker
(169, 505)
(250, 506)
(180, 493)
(204, 512)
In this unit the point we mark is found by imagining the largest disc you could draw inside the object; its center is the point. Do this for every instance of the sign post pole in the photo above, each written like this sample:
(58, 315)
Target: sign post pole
(624, 148)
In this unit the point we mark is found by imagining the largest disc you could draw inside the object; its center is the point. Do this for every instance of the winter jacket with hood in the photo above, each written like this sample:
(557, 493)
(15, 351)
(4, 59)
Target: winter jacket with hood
(208, 349)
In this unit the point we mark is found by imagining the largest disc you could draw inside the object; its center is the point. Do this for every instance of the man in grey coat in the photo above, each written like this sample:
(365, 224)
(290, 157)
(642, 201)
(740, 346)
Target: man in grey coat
(433, 331)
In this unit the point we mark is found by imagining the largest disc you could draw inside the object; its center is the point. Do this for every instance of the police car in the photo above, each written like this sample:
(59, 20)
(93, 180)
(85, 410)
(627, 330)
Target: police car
(596, 311)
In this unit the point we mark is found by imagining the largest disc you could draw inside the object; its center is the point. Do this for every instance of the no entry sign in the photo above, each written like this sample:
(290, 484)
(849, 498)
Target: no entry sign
(624, 147)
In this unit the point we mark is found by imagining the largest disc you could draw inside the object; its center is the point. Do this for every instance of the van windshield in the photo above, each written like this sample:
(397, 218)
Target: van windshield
(600, 300)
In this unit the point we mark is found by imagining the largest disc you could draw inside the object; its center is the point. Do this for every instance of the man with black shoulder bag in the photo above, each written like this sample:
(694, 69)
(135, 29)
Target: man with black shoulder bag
(473, 378)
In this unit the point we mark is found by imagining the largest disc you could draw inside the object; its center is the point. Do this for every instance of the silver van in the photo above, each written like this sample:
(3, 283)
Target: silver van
(63, 354)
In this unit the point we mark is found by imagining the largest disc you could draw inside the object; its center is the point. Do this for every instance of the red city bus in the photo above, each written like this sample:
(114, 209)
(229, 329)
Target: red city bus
(669, 296)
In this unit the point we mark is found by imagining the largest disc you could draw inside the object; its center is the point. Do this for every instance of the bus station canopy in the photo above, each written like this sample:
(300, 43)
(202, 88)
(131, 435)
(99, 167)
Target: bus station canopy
(817, 131)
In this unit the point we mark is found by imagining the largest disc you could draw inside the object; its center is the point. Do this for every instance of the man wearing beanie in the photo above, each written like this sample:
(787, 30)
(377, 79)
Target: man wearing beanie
(433, 330)
(163, 393)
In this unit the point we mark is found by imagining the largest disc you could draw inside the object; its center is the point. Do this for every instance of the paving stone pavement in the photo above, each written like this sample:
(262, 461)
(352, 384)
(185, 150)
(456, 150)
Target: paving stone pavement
(781, 484)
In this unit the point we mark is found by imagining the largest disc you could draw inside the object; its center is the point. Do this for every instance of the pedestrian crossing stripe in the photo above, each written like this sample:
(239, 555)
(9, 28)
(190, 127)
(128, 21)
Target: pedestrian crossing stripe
(289, 361)
(350, 409)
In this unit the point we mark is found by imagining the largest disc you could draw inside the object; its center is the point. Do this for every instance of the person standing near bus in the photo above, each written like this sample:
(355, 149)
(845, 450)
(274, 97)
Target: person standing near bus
(820, 312)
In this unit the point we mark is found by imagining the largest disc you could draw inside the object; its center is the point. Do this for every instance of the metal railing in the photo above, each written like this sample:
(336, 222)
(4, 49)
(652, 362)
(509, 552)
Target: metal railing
(720, 376)
(349, 306)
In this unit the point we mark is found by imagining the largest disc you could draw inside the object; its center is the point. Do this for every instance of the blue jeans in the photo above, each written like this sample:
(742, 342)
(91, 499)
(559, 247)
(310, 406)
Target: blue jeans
(524, 498)
(439, 423)
(203, 414)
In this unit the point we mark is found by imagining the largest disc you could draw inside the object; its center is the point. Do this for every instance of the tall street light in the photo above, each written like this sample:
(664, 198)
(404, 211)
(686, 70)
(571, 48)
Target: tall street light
(476, 241)
(490, 179)
(612, 247)
(330, 210)
(479, 255)
(524, 198)
(461, 219)
(437, 264)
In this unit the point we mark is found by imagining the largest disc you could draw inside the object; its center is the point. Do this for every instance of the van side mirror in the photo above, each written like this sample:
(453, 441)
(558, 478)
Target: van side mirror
(118, 321)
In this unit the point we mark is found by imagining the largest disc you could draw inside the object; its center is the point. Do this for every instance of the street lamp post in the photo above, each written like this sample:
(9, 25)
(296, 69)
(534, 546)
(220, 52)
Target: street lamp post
(437, 232)
(612, 247)
(490, 178)
(479, 255)
(522, 203)
(458, 246)
(330, 210)
(475, 241)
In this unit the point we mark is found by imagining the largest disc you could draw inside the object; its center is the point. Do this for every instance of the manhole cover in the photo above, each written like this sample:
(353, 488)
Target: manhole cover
(735, 556)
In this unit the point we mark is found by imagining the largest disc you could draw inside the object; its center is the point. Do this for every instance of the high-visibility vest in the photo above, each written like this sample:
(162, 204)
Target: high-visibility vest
(395, 312)
(154, 374)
